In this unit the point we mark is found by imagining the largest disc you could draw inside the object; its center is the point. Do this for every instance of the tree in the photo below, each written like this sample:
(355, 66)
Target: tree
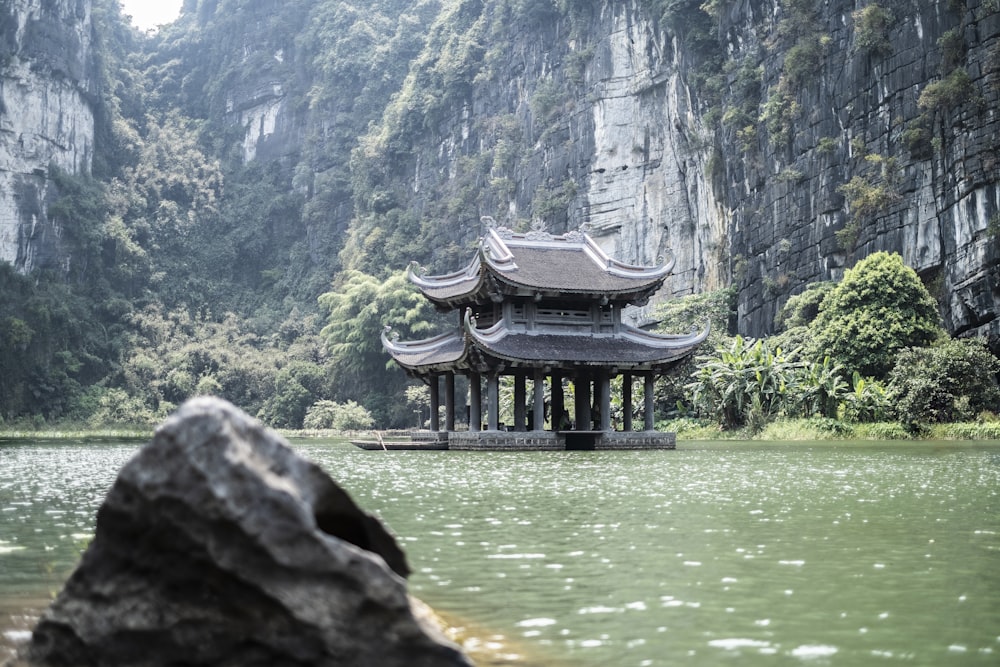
(743, 384)
(359, 307)
(801, 309)
(953, 381)
(878, 309)
(868, 401)
(347, 416)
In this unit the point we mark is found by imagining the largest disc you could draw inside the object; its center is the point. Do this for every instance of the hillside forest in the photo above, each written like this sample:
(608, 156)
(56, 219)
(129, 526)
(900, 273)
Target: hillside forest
(191, 260)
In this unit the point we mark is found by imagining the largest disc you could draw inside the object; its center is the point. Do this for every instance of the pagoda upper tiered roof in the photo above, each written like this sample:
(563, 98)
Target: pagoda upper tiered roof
(537, 264)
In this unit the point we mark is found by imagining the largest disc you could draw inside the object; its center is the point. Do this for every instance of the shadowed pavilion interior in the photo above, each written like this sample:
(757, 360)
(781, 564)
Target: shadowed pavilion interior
(546, 310)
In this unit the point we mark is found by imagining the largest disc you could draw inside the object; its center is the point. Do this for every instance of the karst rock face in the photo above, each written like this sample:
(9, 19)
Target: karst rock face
(48, 87)
(218, 545)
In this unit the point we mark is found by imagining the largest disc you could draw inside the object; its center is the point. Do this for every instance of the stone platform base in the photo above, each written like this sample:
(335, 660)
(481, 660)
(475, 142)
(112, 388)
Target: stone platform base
(506, 441)
(502, 441)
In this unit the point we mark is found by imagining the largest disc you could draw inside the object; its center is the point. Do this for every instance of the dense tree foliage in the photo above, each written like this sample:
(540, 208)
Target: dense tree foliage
(185, 259)
(879, 308)
(359, 307)
(864, 349)
(744, 384)
(953, 381)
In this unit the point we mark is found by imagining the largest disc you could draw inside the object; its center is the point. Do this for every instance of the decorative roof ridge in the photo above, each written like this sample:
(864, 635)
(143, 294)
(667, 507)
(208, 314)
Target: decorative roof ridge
(538, 237)
(391, 343)
(494, 249)
(623, 270)
(666, 341)
(471, 271)
(501, 330)
(491, 334)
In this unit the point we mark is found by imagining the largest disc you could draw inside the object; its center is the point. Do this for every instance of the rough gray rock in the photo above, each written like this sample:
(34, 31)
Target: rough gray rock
(218, 545)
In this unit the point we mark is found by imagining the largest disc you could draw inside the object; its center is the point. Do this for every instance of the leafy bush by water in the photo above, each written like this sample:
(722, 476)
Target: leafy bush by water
(953, 381)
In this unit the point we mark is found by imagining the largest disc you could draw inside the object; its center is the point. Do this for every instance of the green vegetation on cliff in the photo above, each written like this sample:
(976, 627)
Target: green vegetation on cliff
(204, 254)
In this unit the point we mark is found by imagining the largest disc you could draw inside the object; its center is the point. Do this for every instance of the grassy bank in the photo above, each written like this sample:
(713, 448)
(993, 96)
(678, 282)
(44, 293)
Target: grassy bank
(76, 433)
(830, 429)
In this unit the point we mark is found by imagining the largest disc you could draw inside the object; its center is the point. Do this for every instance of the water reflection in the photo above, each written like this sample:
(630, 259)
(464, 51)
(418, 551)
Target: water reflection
(726, 552)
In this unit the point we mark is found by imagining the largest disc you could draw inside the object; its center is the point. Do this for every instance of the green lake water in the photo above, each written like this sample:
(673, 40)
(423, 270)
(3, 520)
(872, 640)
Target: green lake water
(716, 553)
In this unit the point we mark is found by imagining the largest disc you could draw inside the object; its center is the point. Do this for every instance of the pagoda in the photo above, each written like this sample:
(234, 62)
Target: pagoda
(544, 308)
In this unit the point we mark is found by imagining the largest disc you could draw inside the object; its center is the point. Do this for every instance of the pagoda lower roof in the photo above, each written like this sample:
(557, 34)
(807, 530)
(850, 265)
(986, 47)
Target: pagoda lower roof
(480, 349)
(445, 352)
(571, 264)
(630, 349)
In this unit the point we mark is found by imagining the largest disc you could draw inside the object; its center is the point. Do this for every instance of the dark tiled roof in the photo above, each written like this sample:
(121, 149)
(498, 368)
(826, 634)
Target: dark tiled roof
(570, 264)
(572, 349)
(573, 270)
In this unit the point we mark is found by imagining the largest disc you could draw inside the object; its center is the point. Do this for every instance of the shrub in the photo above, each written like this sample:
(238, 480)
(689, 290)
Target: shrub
(879, 308)
(348, 416)
(801, 309)
(950, 382)
(742, 384)
(848, 235)
(778, 115)
(871, 30)
(951, 91)
(868, 195)
(818, 389)
(952, 45)
(917, 136)
(867, 402)
(116, 407)
(696, 311)
(827, 145)
(803, 59)
(208, 385)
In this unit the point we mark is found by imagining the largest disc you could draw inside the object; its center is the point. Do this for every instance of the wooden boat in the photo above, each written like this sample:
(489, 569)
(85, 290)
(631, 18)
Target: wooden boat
(391, 445)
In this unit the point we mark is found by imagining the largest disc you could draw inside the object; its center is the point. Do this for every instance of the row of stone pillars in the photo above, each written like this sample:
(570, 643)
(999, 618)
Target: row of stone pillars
(598, 383)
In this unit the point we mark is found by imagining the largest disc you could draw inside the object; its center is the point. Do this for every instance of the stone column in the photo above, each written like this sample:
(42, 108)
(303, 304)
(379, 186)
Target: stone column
(493, 402)
(604, 400)
(520, 402)
(558, 400)
(648, 418)
(627, 402)
(435, 403)
(538, 413)
(449, 402)
(582, 386)
(475, 402)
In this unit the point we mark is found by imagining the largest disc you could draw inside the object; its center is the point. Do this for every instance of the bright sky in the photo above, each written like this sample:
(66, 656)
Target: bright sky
(148, 14)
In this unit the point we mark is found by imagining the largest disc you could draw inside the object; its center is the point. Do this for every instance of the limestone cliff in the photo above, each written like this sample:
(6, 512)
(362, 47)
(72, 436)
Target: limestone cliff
(887, 140)
(47, 87)
(766, 143)
(805, 137)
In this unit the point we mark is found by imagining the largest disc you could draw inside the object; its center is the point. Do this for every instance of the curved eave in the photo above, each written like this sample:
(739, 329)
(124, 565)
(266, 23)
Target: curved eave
(451, 288)
(631, 271)
(435, 354)
(667, 341)
(629, 349)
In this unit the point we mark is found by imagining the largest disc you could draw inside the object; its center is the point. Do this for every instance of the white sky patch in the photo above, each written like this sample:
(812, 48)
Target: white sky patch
(147, 14)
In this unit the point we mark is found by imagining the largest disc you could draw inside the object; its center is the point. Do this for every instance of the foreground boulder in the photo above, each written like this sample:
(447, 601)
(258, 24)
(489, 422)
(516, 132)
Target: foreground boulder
(218, 545)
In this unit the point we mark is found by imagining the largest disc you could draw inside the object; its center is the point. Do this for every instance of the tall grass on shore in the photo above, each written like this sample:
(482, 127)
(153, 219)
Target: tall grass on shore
(818, 428)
